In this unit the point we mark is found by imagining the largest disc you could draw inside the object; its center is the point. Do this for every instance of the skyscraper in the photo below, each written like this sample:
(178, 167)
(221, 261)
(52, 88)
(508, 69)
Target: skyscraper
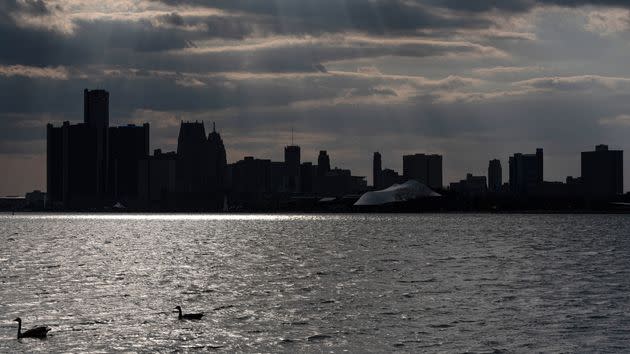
(71, 166)
(526, 171)
(96, 108)
(292, 163)
(201, 167)
(217, 160)
(158, 184)
(426, 169)
(602, 172)
(377, 171)
(323, 163)
(128, 145)
(495, 176)
(77, 156)
(54, 165)
(251, 178)
(96, 116)
(192, 163)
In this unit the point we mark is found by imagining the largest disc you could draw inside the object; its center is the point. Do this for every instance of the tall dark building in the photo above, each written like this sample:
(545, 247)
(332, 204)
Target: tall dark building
(278, 177)
(292, 162)
(157, 187)
(377, 171)
(323, 163)
(77, 156)
(128, 145)
(526, 171)
(602, 172)
(96, 108)
(423, 168)
(72, 172)
(251, 178)
(218, 160)
(81, 175)
(495, 176)
(217, 173)
(308, 176)
(201, 167)
(96, 116)
(192, 163)
(54, 165)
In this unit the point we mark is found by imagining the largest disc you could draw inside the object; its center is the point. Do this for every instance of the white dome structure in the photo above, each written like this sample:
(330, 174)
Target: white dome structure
(409, 190)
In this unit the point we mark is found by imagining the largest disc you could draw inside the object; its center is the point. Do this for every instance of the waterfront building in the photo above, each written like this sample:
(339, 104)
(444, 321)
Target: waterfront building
(426, 169)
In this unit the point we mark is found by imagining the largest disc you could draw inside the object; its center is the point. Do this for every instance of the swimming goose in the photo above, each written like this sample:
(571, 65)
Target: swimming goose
(37, 332)
(188, 316)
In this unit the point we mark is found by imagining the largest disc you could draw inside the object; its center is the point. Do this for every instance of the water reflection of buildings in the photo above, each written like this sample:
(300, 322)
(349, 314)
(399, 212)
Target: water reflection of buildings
(91, 165)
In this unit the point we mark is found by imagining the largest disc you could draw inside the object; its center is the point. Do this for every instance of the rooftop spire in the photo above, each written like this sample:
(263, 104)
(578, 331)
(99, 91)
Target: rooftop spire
(214, 127)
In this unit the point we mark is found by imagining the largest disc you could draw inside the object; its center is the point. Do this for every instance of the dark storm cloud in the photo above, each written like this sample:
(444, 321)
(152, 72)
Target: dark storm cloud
(140, 45)
(141, 42)
(92, 43)
(173, 18)
(379, 16)
(324, 16)
(29, 7)
(210, 26)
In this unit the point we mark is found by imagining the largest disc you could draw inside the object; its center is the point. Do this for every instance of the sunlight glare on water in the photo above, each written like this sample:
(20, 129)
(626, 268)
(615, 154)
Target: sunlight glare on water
(363, 283)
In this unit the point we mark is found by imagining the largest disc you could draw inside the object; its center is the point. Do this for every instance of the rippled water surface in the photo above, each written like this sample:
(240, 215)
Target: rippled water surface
(362, 283)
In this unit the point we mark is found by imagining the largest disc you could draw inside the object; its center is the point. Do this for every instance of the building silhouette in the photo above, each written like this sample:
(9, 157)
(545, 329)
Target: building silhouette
(128, 145)
(308, 177)
(390, 177)
(495, 176)
(89, 164)
(339, 182)
(251, 178)
(377, 171)
(423, 168)
(279, 179)
(201, 167)
(217, 160)
(54, 165)
(526, 172)
(323, 163)
(74, 169)
(472, 185)
(602, 172)
(292, 165)
(192, 169)
(92, 166)
(96, 116)
(158, 180)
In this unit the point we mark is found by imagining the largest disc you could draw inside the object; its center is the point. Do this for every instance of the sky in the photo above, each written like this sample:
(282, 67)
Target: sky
(471, 80)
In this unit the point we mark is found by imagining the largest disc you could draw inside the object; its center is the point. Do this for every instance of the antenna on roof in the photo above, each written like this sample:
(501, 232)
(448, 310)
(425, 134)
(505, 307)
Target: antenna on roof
(214, 127)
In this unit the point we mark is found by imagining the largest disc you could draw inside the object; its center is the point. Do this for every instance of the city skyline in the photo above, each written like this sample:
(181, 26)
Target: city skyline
(92, 166)
(385, 164)
(468, 82)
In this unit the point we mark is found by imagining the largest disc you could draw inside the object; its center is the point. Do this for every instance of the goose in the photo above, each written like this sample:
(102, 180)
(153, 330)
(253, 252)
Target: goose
(37, 332)
(188, 316)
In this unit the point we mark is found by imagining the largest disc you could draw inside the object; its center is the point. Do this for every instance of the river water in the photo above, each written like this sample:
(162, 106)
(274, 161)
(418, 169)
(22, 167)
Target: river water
(317, 283)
